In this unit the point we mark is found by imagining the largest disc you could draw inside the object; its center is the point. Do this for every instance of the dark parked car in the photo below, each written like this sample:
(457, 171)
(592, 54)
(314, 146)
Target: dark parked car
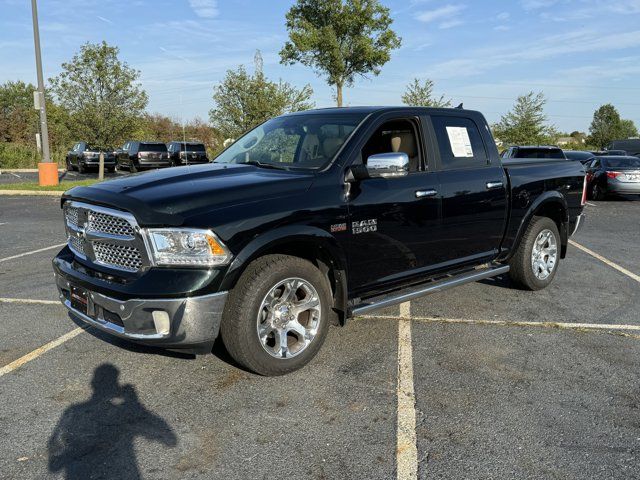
(83, 156)
(532, 152)
(307, 220)
(630, 146)
(613, 174)
(186, 153)
(135, 155)
(582, 156)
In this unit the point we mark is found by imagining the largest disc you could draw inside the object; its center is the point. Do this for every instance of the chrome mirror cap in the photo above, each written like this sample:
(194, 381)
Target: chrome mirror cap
(394, 164)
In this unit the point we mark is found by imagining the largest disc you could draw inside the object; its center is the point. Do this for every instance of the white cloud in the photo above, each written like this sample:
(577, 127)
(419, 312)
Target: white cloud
(450, 24)
(503, 16)
(204, 8)
(445, 12)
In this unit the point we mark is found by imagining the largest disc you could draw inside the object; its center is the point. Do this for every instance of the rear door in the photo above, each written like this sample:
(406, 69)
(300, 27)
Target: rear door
(473, 187)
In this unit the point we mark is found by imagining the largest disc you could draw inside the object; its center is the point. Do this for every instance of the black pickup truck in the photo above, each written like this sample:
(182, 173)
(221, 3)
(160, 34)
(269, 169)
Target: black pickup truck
(307, 220)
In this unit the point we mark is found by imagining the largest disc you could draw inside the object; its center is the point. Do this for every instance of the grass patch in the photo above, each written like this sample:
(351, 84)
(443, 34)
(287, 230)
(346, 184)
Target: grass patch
(61, 187)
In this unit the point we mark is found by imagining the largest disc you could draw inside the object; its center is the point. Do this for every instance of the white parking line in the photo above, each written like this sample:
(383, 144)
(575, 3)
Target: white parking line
(606, 261)
(514, 323)
(406, 447)
(5, 259)
(39, 351)
(591, 204)
(29, 301)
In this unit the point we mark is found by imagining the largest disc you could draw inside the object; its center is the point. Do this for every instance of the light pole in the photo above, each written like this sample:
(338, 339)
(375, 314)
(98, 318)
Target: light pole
(47, 171)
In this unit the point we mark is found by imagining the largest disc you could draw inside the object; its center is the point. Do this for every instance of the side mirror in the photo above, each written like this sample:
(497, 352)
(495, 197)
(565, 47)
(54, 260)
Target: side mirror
(385, 165)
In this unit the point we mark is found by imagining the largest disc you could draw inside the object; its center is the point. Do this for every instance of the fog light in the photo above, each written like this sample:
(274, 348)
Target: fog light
(161, 321)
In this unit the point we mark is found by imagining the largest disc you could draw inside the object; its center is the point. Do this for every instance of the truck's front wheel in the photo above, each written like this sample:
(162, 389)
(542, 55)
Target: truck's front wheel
(535, 263)
(277, 315)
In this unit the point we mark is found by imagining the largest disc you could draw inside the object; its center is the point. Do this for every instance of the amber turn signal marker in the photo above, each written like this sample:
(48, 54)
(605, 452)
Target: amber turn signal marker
(215, 247)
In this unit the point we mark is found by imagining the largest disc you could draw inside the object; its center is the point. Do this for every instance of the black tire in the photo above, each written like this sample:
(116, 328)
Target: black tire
(111, 169)
(239, 328)
(81, 168)
(133, 168)
(69, 166)
(597, 193)
(521, 264)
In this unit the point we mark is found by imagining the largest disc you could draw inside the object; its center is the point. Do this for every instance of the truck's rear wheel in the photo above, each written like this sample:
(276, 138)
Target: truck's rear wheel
(277, 315)
(535, 263)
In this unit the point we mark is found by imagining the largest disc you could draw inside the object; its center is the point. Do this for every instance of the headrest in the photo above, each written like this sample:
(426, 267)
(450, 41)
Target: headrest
(404, 142)
(331, 146)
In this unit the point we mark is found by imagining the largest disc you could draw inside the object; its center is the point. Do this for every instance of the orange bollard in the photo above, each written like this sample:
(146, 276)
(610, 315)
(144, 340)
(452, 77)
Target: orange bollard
(48, 174)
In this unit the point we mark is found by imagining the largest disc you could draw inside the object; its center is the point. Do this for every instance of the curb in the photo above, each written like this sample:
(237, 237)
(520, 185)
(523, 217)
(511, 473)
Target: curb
(36, 193)
(24, 170)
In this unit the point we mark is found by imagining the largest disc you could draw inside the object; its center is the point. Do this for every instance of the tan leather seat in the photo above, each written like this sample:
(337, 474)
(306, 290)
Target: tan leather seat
(310, 149)
(406, 143)
(331, 146)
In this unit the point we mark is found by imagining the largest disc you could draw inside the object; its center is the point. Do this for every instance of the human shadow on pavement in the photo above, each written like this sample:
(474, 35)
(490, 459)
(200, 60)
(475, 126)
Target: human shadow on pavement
(95, 439)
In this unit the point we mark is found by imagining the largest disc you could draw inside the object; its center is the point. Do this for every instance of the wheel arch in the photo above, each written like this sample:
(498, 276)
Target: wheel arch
(552, 205)
(309, 243)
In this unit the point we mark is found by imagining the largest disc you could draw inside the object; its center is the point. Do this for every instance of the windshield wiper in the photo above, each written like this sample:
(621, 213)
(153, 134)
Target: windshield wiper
(264, 165)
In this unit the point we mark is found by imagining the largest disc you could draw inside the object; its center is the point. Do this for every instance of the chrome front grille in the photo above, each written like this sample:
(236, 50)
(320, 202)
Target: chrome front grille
(118, 256)
(109, 224)
(77, 245)
(105, 237)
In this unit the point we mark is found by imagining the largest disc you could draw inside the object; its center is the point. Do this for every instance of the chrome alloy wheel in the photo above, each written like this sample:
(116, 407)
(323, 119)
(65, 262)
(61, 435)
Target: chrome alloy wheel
(544, 254)
(289, 318)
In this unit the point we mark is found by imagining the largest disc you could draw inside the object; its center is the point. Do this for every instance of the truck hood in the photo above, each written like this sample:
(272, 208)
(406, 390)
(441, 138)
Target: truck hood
(169, 196)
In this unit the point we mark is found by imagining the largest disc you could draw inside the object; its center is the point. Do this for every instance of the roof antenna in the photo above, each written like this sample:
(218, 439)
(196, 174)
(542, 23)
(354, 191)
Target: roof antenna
(460, 106)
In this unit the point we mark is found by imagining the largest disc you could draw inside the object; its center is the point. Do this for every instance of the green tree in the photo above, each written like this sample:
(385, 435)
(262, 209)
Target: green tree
(526, 123)
(627, 129)
(340, 39)
(420, 94)
(101, 93)
(243, 101)
(18, 119)
(607, 126)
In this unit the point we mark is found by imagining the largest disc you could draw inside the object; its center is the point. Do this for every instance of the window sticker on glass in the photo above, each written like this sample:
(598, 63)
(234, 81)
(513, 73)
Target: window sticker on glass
(460, 142)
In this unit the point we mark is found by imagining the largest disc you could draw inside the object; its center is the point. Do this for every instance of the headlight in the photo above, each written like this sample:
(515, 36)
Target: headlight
(187, 246)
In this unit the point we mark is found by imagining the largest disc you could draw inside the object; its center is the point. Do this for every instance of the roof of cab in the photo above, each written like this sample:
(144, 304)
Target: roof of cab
(374, 109)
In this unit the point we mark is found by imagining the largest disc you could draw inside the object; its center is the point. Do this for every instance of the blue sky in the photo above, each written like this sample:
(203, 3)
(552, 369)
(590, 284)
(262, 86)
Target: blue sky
(581, 53)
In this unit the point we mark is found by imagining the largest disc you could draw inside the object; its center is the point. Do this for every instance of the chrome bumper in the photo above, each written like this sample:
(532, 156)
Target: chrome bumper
(193, 321)
(579, 224)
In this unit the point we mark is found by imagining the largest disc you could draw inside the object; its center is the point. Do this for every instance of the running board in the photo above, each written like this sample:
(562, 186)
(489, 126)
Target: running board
(418, 291)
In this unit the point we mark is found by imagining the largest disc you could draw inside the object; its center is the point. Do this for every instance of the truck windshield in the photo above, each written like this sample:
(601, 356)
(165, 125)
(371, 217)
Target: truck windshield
(298, 141)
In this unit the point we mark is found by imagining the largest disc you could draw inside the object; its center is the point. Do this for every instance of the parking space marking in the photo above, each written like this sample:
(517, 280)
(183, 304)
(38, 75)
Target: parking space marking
(406, 446)
(40, 351)
(606, 261)
(29, 301)
(5, 259)
(513, 323)
(591, 204)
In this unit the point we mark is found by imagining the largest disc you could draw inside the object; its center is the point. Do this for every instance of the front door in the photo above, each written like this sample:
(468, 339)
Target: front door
(392, 220)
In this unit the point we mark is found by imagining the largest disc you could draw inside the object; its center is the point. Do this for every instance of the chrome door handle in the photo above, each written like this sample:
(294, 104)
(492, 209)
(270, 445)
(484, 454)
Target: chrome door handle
(426, 193)
(494, 185)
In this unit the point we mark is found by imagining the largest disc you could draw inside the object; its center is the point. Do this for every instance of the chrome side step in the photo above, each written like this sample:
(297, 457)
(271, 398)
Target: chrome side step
(418, 291)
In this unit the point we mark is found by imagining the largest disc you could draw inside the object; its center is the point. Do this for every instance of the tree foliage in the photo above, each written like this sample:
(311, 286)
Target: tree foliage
(340, 39)
(607, 126)
(420, 94)
(243, 101)
(101, 93)
(18, 119)
(526, 123)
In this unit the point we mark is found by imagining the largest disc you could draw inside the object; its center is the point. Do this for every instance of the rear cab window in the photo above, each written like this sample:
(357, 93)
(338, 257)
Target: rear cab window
(544, 153)
(459, 142)
(152, 147)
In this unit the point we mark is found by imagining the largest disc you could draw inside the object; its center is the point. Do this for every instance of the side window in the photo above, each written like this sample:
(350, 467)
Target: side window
(395, 136)
(460, 143)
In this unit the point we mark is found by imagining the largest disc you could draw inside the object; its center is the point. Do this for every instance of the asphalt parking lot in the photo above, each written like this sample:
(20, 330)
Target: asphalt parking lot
(483, 381)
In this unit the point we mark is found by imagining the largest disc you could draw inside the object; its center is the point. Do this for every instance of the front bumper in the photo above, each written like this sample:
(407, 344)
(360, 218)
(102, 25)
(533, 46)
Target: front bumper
(193, 322)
